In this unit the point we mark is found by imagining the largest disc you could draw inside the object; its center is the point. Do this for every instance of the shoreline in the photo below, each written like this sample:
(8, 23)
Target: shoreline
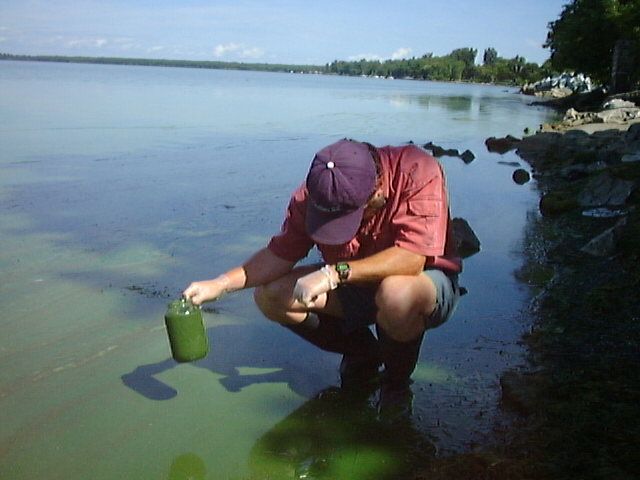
(572, 409)
(217, 65)
(576, 402)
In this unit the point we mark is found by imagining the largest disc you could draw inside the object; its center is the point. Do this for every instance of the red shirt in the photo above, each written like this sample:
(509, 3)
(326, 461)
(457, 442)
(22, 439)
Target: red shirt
(415, 216)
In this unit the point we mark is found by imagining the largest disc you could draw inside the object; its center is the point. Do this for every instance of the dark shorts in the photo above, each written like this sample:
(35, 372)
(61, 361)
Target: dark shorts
(358, 302)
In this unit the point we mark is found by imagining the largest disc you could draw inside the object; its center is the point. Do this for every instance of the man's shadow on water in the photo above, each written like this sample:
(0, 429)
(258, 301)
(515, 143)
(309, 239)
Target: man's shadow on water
(304, 368)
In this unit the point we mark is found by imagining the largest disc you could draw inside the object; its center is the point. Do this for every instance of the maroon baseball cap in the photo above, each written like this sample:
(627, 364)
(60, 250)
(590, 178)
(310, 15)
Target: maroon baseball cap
(340, 181)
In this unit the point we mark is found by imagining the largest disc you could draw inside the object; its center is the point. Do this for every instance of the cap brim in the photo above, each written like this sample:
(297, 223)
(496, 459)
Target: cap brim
(330, 228)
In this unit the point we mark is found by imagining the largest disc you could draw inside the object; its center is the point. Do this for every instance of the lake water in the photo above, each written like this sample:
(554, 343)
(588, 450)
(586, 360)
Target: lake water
(120, 185)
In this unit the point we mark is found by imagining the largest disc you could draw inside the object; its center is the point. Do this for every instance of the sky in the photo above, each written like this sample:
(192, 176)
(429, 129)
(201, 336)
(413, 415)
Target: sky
(280, 31)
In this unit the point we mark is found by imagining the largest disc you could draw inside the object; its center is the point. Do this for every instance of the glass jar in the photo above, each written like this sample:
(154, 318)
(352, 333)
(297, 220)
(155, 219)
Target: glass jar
(185, 328)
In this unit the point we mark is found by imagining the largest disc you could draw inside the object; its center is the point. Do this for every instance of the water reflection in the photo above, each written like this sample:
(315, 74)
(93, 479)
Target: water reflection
(338, 434)
(258, 355)
(454, 104)
(187, 466)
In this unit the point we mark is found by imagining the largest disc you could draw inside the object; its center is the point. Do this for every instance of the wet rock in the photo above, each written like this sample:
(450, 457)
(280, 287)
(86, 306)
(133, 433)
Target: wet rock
(521, 392)
(521, 176)
(467, 156)
(581, 170)
(604, 245)
(631, 157)
(604, 190)
(633, 133)
(467, 243)
(502, 145)
(542, 147)
(556, 203)
(437, 151)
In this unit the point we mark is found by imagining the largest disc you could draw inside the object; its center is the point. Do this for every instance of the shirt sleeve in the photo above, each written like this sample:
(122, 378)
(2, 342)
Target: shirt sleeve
(293, 243)
(421, 221)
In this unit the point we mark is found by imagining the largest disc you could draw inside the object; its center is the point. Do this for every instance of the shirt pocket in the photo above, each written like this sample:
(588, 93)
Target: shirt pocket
(424, 208)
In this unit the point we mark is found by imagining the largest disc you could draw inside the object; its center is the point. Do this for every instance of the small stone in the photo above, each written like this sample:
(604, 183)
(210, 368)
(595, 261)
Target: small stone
(521, 176)
(467, 156)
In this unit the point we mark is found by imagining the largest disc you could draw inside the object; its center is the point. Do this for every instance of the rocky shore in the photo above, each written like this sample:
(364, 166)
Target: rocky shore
(579, 400)
(576, 405)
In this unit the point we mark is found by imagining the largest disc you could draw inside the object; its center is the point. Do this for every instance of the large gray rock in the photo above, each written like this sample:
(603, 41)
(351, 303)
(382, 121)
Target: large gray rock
(605, 190)
(618, 103)
(618, 115)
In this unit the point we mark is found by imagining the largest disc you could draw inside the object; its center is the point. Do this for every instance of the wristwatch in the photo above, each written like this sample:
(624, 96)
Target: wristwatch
(344, 271)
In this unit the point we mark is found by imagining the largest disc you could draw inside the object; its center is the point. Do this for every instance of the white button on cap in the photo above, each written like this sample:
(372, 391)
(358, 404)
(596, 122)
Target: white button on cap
(330, 164)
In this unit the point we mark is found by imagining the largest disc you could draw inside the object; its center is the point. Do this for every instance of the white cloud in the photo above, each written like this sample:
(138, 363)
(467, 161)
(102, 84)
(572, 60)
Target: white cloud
(222, 50)
(364, 56)
(87, 42)
(253, 52)
(397, 55)
(3, 39)
(237, 49)
(400, 53)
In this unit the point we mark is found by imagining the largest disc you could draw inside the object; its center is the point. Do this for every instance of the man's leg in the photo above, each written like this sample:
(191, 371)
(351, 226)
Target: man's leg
(322, 325)
(407, 307)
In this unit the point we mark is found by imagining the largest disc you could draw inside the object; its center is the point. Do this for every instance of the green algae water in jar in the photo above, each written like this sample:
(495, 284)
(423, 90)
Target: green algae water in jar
(185, 328)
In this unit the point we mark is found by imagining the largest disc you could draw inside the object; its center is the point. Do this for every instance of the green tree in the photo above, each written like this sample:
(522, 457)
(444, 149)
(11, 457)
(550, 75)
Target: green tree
(490, 56)
(583, 38)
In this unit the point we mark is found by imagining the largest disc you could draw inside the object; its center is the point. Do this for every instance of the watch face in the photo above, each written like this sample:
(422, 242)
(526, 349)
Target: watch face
(343, 270)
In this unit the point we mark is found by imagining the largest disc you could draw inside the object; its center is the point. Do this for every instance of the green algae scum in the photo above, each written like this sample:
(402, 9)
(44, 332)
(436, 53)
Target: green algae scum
(157, 177)
(186, 331)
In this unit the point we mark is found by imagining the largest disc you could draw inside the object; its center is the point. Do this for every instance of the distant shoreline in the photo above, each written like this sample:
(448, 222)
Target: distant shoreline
(148, 62)
(217, 65)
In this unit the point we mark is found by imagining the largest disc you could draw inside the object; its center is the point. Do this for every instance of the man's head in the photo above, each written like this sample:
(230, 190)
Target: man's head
(340, 181)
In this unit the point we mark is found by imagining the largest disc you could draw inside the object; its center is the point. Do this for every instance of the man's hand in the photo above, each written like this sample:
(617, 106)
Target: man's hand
(314, 284)
(207, 291)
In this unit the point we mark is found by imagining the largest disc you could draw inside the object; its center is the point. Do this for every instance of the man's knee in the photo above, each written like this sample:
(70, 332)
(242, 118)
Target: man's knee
(268, 298)
(403, 302)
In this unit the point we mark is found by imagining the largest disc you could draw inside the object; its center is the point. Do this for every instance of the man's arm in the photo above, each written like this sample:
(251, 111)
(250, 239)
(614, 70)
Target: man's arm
(388, 262)
(391, 261)
(263, 267)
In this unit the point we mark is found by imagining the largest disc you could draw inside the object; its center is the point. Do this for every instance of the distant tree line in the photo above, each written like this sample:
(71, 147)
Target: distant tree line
(457, 66)
(150, 62)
